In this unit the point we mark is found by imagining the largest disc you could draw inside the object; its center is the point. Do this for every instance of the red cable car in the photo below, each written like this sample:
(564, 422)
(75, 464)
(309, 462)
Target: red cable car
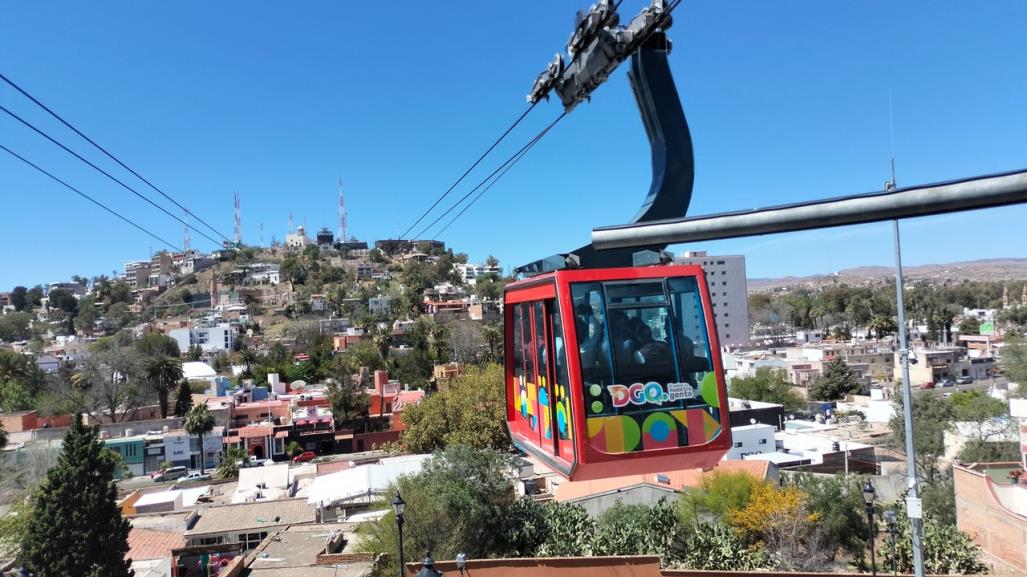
(615, 371)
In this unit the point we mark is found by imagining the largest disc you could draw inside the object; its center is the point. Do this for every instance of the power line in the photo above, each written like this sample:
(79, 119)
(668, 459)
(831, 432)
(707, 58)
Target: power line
(109, 155)
(520, 152)
(517, 158)
(102, 171)
(87, 197)
(468, 171)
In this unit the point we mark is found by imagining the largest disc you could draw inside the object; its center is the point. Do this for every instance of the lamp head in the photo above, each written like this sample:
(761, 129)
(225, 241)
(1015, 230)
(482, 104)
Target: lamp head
(399, 505)
(868, 493)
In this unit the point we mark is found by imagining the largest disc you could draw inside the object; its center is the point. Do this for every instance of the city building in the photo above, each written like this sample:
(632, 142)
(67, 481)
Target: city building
(725, 277)
(325, 238)
(211, 339)
(247, 524)
(470, 272)
(991, 507)
(933, 365)
(298, 240)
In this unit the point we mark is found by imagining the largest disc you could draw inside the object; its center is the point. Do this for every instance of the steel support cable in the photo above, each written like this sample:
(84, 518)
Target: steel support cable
(468, 171)
(493, 173)
(109, 155)
(102, 171)
(517, 158)
(89, 198)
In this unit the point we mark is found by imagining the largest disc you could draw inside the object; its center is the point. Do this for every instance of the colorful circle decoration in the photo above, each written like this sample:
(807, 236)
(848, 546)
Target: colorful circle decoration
(595, 390)
(708, 390)
(597, 406)
(561, 419)
(659, 431)
(524, 403)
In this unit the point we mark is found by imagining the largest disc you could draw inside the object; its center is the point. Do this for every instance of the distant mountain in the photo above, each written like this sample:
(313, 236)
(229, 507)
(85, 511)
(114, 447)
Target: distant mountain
(996, 269)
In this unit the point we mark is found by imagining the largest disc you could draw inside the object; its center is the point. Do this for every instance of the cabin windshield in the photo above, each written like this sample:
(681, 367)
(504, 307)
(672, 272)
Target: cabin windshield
(643, 349)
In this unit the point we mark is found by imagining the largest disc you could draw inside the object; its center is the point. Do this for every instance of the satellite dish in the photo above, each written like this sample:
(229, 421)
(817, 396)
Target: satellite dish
(298, 385)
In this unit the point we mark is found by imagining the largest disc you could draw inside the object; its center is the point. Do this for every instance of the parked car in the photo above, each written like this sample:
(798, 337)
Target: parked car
(964, 380)
(304, 457)
(927, 386)
(169, 474)
(948, 383)
(194, 476)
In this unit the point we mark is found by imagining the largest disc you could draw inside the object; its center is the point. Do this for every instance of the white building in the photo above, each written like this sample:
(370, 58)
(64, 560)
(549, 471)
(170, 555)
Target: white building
(380, 305)
(755, 439)
(470, 273)
(298, 239)
(725, 277)
(212, 339)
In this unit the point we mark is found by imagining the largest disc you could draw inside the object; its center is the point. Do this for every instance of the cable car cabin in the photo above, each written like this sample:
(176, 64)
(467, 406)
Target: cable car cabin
(615, 371)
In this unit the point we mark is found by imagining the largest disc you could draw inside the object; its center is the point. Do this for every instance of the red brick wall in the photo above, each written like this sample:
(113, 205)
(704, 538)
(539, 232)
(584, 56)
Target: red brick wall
(1000, 532)
(18, 422)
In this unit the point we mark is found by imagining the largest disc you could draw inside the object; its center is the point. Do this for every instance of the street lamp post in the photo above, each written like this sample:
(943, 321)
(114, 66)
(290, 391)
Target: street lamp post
(428, 568)
(399, 505)
(889, 518)
(868, 498)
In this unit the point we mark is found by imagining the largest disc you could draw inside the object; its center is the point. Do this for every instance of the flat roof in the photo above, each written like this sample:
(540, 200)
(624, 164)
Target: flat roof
(258, 515)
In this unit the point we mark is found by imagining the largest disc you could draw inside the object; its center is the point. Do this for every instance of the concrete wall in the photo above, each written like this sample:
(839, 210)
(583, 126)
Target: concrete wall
(1000, 532)
(638, 495)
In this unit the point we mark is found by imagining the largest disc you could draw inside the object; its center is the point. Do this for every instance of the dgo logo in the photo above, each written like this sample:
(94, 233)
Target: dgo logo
(651, 392)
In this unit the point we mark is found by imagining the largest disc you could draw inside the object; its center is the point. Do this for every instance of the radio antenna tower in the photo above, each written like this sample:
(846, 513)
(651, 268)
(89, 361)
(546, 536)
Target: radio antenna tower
(238, 221)
(185, 239)
(342, 215)
(290, 222)
(262, 234)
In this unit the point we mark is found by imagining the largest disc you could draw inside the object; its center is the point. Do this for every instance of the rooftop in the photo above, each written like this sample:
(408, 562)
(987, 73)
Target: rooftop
(259, 515)
(150, 544)
(675, 480)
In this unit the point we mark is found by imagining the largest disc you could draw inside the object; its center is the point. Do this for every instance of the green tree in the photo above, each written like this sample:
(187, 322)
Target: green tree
(76, 526)
(714, 546)
(472, 412)
(839, 505)
(636, 530)
(457, 504)
(932, 416)
(1014, 362)
(199, 422)
(161, 373)
(183, 399)
(20, 298)
(946, 550)
(767, 385)
(989, 451)
(231, 456)
(969, 326)
(718, 495)
(492, 334)
(837, 381)
(349, 403)
(15, 327)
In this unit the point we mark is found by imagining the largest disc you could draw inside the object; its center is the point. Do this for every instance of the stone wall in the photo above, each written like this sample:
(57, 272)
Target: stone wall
(1001, 533)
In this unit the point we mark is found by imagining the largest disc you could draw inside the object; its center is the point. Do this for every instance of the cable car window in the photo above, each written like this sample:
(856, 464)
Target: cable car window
(518, 353)
(560, 387)
(529, 344)
(593, 348)
(694, 344)
(635, 292)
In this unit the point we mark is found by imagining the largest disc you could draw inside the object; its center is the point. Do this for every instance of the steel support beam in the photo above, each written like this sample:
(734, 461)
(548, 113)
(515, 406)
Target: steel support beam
(967, 194)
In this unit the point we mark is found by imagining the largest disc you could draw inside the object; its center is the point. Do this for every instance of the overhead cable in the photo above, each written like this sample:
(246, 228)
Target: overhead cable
(104, 172)
(89, 198)
(517, 158)
(109, 155)
(520, 152)
(468, 171)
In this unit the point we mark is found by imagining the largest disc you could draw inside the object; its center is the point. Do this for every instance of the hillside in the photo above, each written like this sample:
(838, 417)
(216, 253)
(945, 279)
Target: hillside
(1013, 269)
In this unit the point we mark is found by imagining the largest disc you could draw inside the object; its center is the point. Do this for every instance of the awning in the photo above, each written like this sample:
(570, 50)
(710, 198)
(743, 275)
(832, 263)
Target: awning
(300, 423)
(281, 434)
(232, 440)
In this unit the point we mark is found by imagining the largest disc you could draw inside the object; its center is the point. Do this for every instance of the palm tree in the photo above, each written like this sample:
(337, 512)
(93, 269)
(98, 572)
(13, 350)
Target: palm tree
(381, 336)
(162, 372)
(199, 422)
(493, 337)
(248, 357)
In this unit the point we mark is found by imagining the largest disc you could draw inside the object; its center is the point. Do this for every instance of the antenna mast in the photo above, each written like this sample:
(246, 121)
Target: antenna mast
(342, 215)
(185, 238)
(238, 221)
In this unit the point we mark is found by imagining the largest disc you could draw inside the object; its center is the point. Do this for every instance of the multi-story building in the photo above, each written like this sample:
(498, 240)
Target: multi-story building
(298, 240)
(470, 272)
(137, 274)
(725, 276)
(933, 365)
(212, 339)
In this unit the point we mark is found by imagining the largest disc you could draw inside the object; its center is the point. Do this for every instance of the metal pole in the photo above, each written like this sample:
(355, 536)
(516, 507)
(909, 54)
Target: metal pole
(870, 538)
(894, 552)
(971, 193)
(913, 497)
(399, 521)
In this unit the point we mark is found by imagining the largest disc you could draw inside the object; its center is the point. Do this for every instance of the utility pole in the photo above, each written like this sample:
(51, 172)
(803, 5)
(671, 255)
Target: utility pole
(914, 508)
(238, 221)
(342, 215)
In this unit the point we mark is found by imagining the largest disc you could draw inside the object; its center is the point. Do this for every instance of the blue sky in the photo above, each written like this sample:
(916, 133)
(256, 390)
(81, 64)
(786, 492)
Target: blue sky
(787, 101)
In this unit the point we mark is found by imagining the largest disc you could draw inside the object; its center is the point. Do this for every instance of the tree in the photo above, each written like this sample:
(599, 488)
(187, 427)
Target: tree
(183, 399)
(838, 502)
(199, 422)
(718, 495)
(837, 381)
(636, 530)
(1014, 362)
(946, 550)
(20, 298)
(767, 385)
(715, 546)
(492, 334)
(932, 416)
(15, 327)
(348, 402)
(456, 504)
(969, 326)
(472, 412)
(162, 372)
(107, 380)
(979, 451)
(76, 526)
(231, 457)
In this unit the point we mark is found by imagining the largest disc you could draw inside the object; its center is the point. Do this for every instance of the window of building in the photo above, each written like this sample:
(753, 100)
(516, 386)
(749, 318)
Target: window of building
(763, 441)
(738, 445)
(212, 540)
(250, 541)
(720, 262)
